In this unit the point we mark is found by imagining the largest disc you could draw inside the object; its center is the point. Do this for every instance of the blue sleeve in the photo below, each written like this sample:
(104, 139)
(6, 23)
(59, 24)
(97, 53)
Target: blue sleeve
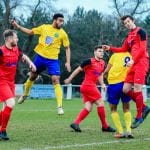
(142, 34)
(1, 52)
(85, 63)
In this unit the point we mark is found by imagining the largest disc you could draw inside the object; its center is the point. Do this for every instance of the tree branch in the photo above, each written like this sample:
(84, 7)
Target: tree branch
(117, 7)
(136, 7)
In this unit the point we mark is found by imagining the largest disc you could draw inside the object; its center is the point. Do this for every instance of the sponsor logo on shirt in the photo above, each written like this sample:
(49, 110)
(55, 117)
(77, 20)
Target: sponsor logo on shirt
(96, 73)
(48, 40)
(11, 64)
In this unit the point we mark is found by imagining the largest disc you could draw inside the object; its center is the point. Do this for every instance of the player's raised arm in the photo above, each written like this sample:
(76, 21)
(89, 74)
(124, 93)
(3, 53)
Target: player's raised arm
(123, 48)
(68, 55)
(74, 74)
(23, 29)
(29, 62)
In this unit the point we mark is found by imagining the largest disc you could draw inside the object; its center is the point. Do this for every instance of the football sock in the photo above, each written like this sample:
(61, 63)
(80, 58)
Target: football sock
(81, 116)
(5, 117)
(0, 117)
(116, 121)
(59, 95)
(127, 118)
(102, 116)
(132, 94)
(139, 104)
(27, 87)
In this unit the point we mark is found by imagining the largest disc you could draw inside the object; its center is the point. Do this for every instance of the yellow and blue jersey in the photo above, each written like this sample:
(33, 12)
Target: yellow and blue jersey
(50, 41)
(118, 71)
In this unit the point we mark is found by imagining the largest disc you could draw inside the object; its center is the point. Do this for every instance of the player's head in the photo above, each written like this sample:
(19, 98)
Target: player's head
(10, 36)
(58, 20)
(98, 52)
(128, 21)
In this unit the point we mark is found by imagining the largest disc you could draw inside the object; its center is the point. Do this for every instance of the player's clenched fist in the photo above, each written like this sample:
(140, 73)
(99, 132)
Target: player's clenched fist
(106, 47)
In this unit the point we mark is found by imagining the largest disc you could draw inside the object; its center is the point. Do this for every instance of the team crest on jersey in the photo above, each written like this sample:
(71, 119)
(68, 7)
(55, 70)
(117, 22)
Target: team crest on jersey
(56, 35)
(48, 40)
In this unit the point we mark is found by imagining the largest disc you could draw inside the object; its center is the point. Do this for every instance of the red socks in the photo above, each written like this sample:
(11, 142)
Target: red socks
(139, 103)
(6, 113)
(0, 117)
(81, 116)
(132, 94)
(102, 116)
(101, 113)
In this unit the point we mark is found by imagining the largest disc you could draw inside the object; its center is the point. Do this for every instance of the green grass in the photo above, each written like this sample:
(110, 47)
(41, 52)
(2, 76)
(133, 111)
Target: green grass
(35, 125)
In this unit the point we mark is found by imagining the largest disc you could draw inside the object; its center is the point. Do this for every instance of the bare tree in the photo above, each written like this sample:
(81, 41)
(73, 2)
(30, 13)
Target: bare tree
(39, 5)
(132, 7)
(8, 7)
(28, 42)
(128, 7)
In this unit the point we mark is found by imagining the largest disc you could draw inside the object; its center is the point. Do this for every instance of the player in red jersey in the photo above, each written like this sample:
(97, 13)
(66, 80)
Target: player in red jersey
(136, 44)
(9, 56)
(93, 69)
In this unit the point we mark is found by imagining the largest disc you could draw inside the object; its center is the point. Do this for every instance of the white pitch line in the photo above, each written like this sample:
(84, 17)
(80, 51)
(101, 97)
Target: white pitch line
(88, 144)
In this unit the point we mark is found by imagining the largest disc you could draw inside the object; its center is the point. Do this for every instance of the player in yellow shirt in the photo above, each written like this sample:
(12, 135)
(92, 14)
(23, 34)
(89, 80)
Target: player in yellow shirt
(51, 38)
(117, 69)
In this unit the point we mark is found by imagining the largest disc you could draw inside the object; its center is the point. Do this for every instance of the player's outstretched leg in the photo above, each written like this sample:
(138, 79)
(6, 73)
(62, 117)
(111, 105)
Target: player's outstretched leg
(81, 116)
(59, 97)
(139, 105)
(102, 116)
(60, 110)
(138, 98)
(22, 98)
(145, 112)
(27, 87)
(4, 136)
(75, 127)
(136, 123)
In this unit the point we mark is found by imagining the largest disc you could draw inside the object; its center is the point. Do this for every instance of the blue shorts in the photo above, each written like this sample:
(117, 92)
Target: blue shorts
(114, 94)
(52, 65)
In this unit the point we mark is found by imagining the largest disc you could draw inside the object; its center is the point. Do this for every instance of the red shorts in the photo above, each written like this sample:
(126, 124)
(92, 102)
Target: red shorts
(90, 93)
(7, 91)
(137, 74)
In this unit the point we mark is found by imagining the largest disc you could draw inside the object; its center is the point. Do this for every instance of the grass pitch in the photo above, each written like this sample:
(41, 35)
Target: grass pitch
(35, 125)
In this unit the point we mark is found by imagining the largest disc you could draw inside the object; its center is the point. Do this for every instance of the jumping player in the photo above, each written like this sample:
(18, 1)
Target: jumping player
(93, 69)
(47, 51)
(9, 56)
(116, 71)
(136, 44)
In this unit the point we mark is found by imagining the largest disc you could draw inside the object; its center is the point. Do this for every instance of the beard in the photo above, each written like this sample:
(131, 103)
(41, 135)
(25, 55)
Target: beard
(58, 26)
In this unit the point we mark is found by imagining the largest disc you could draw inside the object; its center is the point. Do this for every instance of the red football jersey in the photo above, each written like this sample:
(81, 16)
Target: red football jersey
(136, 44)
(93, 69)
(8, 63)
